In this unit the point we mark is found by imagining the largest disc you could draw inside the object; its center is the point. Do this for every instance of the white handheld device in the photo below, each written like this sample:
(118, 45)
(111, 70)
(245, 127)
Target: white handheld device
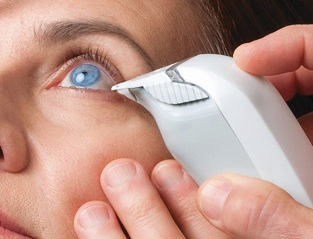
(216, 118)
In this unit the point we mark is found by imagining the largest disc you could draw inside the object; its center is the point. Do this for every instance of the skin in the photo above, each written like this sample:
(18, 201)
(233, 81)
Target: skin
(56, 141)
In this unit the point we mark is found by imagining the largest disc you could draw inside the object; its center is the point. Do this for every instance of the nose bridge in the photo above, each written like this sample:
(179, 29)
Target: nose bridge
(10, 76)
(11, 95)
(19, 61)
(16, 43)
(20, 52)
(15, 47)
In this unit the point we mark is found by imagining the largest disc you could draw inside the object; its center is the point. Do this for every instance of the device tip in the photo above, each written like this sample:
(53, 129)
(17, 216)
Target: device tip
(114, 88)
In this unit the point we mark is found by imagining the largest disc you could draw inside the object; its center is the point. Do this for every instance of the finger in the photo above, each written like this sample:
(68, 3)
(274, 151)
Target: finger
(282, 51)
(137, 202)
(285, 83)
(288, 84)
(251, 208)
(179, 192)
(97, 220)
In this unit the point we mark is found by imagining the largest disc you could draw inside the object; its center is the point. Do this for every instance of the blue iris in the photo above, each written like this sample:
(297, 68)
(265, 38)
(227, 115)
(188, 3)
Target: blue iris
(85, 75)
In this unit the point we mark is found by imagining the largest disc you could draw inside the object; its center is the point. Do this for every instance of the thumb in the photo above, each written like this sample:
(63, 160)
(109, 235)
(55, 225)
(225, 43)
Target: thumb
(251, 208)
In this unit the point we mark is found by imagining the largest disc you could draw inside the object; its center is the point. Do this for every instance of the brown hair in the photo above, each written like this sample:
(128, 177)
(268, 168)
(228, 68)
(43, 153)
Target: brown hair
(229, 23)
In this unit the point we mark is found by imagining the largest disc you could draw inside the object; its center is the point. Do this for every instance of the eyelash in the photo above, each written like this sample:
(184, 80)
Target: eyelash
(91, 54)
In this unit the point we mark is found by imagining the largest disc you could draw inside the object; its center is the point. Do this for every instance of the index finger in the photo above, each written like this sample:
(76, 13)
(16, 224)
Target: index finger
(285, 50)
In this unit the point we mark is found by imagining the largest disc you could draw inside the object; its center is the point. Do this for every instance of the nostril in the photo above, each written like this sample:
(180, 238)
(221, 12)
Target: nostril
(13, 150)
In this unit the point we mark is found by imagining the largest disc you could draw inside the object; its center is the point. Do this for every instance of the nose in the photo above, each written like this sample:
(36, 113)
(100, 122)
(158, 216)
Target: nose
(13, 149)
(14, 95)
(13, 143)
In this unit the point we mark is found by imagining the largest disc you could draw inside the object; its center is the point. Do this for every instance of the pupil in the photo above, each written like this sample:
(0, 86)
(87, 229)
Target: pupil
(85, 75)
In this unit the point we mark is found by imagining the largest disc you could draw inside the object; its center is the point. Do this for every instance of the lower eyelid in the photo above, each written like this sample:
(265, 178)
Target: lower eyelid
(85, 95)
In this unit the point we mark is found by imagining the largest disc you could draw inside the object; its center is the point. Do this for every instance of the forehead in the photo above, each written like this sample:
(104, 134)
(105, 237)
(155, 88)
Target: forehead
(133, 12)
(158, 26)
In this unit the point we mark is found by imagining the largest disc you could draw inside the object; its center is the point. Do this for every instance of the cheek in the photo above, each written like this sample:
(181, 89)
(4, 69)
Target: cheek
(68, 163)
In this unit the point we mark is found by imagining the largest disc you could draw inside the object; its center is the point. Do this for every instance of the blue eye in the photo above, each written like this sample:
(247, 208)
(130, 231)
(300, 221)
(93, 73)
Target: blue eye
(88, 76)
(85, 75)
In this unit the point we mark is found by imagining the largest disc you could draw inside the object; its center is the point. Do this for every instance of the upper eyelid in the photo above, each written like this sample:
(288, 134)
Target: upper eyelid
(97, 56)
(68, 30)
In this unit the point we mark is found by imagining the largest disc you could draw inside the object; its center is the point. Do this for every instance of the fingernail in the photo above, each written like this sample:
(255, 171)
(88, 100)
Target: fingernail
(93, 216)
(169, 176)
(120, 173)
(213, 198)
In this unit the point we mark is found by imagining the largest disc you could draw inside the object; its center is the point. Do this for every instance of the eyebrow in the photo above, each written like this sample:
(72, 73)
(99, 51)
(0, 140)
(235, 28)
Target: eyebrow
(64, 31)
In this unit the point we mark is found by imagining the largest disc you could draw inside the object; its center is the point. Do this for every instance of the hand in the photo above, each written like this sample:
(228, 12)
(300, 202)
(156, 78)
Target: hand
(163, 207)
(251, 208)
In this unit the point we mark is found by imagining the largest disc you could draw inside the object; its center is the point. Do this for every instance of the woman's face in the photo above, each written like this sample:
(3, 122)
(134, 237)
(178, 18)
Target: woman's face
(56, 138)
